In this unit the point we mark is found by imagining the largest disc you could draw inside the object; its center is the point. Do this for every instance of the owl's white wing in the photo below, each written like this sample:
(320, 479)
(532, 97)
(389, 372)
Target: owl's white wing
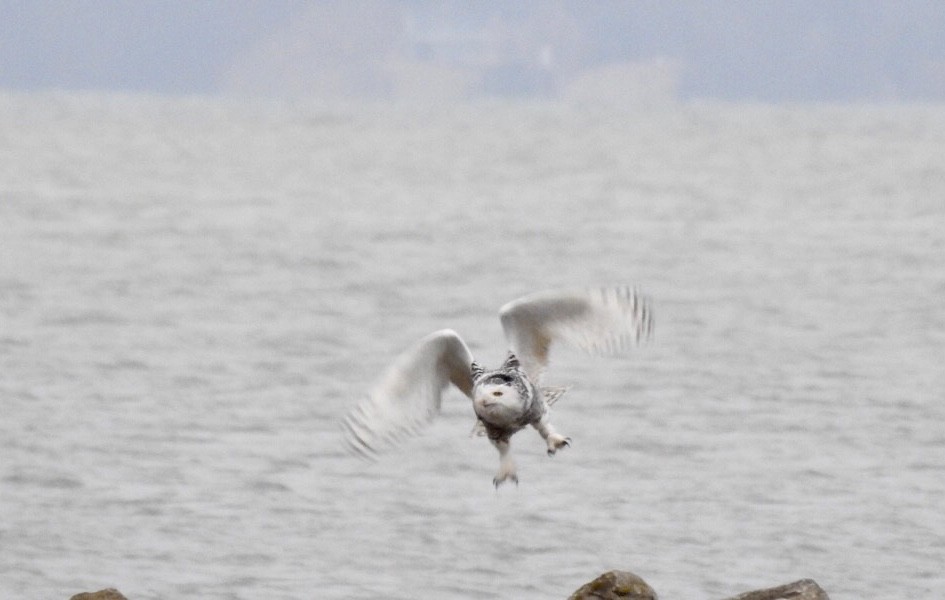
(598, 321)
(409, 394)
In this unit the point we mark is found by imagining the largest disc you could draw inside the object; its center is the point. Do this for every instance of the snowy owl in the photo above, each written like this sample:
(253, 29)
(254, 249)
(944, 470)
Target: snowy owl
(507, 399)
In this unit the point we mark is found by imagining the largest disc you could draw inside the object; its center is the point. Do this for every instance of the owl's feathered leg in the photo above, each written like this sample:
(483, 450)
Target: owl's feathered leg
(506, 464)
(555, 440)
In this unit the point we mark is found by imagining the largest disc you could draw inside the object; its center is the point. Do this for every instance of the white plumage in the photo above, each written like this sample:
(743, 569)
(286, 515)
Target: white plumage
(410, 392)
(596, 321)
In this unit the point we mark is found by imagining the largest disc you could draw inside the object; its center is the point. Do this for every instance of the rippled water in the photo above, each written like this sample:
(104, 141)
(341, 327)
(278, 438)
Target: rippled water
(193, 291)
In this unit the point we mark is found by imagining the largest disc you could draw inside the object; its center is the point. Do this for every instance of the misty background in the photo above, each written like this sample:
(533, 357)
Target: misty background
(645, 52)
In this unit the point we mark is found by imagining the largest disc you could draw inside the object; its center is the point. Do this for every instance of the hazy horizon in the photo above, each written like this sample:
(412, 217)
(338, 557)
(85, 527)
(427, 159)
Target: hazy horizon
(418, 50)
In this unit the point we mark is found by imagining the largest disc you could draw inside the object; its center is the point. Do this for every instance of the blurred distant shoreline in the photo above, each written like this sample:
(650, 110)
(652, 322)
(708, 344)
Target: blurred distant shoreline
(426, 52)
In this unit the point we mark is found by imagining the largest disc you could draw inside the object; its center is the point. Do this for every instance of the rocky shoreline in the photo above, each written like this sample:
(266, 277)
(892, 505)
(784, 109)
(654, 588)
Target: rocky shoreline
(624, 585)
(612, 585)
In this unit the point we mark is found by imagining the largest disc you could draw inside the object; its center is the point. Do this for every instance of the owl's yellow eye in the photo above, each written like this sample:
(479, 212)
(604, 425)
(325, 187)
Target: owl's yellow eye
(497, 393)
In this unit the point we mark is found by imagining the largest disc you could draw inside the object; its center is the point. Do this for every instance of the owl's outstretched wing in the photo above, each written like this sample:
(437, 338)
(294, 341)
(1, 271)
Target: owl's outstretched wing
(598, 320)
(409, 394)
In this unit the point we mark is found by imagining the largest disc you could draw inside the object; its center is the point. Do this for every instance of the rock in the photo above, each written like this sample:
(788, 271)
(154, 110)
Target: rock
(624, 585)
(615, 585)
(805, 589)
(108, 594)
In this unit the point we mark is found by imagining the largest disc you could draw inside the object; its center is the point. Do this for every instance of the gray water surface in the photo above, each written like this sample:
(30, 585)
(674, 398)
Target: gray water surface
(194, 291)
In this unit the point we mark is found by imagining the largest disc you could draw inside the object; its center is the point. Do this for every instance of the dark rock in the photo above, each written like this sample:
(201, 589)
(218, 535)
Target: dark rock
(805, 589)
(615, 585)
(624, 585)
(109, 594)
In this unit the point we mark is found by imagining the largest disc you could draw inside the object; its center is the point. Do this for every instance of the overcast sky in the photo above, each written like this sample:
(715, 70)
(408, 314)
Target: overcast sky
(826, 50)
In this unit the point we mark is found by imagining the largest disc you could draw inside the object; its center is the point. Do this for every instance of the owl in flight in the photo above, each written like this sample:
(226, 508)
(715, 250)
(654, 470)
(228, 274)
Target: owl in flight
(507, 399)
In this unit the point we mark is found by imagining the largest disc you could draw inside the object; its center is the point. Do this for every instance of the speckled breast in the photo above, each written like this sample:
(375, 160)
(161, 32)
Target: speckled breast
(506, 401)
